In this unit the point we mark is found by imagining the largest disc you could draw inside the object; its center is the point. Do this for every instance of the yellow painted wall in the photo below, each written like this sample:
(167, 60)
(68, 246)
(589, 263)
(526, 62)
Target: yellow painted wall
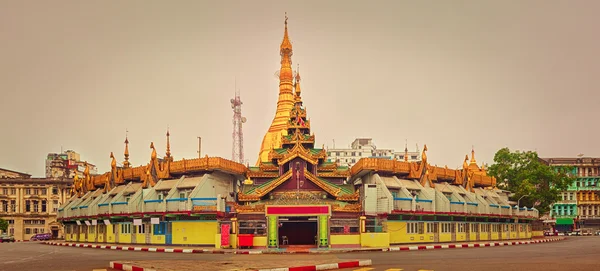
(375, 239)
(461, 236)
(194, 232)
(259, 241)
(345, 239)
(157, 239)
(100, 238)
(140, 238)
(398, 234)
(473, 236)
(505, 235)
(124, 238)
(91, 237)
(110, 236)
(494, 236)
(232, 240)
(445, 237)
(483, 236)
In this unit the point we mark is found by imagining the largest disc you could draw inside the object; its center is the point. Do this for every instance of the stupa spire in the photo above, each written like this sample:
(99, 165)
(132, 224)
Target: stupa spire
(126, 163)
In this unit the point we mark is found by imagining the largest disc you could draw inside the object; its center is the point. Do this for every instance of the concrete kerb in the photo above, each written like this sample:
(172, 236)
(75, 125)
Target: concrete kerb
(390, 249)
(329, 266)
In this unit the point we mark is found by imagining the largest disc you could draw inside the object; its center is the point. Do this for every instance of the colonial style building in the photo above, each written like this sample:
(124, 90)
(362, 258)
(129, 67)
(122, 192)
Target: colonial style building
(365, 148)
(30, 205)
(579, 205)
(294, 195)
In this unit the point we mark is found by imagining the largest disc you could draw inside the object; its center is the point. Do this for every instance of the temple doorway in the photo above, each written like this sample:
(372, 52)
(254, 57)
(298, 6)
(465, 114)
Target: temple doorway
(298, 231)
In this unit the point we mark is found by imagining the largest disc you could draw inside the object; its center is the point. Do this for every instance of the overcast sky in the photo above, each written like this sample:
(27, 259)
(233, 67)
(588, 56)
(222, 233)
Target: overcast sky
(449, 74)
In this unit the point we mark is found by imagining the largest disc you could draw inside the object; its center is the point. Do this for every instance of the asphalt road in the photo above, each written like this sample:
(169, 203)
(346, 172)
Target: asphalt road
(573, 254)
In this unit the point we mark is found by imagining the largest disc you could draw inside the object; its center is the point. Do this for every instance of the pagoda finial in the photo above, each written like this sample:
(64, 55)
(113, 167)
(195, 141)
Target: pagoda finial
(473, 155)
(168, 153)
(406, 150)
(126, 163)
(286, 44)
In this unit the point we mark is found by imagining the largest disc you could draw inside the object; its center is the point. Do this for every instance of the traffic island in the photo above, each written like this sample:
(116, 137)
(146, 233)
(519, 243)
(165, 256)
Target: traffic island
(294, 265)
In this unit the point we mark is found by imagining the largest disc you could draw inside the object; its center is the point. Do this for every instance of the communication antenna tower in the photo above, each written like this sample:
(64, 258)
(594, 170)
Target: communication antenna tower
(237, 152)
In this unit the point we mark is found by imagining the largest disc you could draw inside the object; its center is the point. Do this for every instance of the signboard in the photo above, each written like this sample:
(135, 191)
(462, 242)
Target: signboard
(94, 222)
(87, 222)
(306, 210)
(154, 220)
(106, 222)
(78, 222)
(225, 235)
(137, 222)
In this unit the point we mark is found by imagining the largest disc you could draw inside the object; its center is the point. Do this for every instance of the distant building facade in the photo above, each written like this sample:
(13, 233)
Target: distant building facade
(365, 148)
(579, 206)
(30, 205)
(10, 174)
(66, 165)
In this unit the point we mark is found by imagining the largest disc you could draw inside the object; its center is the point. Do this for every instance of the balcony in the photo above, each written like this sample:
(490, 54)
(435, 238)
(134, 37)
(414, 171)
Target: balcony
(588, 188)
(457, 207)
(103, 208)
(120, 207)
(154, 206)
(589, 202)
(424, 205)
(177, 205)
(403, 204)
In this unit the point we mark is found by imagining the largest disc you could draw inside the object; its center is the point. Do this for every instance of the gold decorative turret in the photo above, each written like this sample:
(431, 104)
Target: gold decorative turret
(126, 163)
(406, 151)
(473, 156)
(285, 103)
(168, 153)
(297, 84)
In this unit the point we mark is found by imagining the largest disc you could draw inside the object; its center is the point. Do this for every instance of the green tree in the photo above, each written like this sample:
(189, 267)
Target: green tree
(3, 225)
(531, 180)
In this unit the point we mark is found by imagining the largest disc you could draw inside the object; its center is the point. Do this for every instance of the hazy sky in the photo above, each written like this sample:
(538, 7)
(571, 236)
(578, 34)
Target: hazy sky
(449, 74)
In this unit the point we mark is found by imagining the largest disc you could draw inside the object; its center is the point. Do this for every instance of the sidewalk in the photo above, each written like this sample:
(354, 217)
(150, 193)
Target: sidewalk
(188, 249)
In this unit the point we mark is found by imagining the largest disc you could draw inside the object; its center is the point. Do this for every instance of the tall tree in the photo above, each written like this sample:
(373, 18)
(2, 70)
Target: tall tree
(3, 225)
(531, 180)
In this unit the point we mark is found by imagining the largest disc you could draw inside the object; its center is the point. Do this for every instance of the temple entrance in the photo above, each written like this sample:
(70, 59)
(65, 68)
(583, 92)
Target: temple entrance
(294, 231)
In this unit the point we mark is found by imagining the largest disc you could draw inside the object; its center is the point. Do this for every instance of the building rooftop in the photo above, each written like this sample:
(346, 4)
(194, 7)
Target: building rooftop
(15, 172)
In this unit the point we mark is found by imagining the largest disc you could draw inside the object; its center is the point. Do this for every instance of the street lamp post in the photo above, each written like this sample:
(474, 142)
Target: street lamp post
(518, 201)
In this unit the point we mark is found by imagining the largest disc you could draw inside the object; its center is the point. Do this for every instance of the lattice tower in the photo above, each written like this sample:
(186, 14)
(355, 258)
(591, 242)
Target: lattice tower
(237, 151)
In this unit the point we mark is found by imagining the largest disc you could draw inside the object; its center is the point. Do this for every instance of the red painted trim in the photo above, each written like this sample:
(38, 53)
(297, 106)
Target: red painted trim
(297, 210)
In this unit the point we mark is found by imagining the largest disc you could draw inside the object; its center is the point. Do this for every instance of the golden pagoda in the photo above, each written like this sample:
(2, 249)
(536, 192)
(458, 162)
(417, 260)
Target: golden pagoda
(285, 103)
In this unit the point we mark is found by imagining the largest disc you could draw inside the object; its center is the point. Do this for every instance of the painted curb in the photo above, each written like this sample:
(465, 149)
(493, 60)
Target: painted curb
(330, 266)
(390, 249)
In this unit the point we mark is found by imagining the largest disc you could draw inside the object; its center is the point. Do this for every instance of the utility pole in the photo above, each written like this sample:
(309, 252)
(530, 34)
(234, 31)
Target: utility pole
(199, 147)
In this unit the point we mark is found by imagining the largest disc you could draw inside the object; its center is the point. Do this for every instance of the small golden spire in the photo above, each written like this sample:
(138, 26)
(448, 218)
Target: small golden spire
(168, 144)
(297, 85)
(473, 155)
(126, 163)
(406, 150)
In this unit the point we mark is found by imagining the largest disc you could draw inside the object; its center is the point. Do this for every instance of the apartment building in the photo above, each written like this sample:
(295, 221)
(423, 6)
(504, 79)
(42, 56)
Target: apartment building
(365, 148)
(30, 205)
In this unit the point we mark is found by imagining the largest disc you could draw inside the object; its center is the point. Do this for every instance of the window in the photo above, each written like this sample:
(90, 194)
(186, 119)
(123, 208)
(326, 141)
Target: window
(160, 229)
(431, 227)
(414, 157)
(5, 191)
(160, 196)
(27, 231)
(54, 191)
(344, 226)
(141, 228)
(35, 206)
(126, 228)
(13, 206)
(43, 206)
(256, 227)
(4, 204)
(43, 190)
(461, 227)
(182, 195)
(27, 206)
(13, 191)
(27, 191)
